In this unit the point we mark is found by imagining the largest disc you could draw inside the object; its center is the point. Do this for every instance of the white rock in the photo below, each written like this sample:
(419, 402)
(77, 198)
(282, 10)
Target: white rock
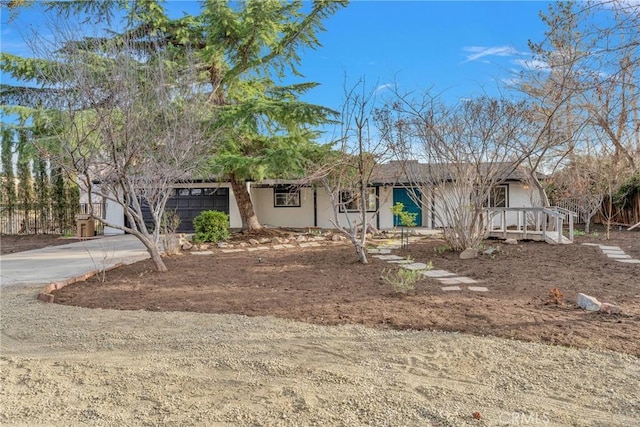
(588, 303)
(511, 242)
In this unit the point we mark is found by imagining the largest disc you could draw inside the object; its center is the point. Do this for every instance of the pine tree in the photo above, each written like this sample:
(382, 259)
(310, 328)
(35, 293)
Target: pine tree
(25, 195)
(8, 196)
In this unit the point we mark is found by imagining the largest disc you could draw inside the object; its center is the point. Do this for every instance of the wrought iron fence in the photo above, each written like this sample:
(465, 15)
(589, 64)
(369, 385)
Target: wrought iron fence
(50, 219)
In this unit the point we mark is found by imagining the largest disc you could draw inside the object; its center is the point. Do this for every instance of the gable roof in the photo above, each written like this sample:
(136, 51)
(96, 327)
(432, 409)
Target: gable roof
(406, 172)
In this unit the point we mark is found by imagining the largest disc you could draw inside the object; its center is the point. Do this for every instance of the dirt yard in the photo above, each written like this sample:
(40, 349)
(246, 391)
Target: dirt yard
(11, 243)
(328, 286)
(66, 365)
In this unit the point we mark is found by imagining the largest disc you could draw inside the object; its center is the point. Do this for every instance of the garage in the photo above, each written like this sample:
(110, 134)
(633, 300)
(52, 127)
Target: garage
(189, 202)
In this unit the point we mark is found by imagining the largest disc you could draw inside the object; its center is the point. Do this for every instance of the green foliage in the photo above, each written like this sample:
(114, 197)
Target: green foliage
(211, 226)
(8, 179)
(625, 195)
(404, 218)
(442, 249)
(403, 280)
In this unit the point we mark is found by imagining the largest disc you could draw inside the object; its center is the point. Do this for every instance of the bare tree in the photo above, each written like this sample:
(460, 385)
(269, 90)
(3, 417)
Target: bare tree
(466, 151)
(346, 172)
(579, 187)
(587, 69)
(129, 125)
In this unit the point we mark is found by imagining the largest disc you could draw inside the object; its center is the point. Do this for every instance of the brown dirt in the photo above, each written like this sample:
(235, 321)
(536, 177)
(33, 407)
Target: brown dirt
(11, 243)
(328, 286)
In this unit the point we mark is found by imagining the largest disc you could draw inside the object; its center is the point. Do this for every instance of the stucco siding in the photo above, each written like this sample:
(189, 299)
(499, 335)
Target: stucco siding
(269, 215)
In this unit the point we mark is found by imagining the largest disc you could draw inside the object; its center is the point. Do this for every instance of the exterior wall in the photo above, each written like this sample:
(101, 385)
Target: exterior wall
(385, 200)
(114, 213)
(385, 203)
(269, 215)
(519, 196)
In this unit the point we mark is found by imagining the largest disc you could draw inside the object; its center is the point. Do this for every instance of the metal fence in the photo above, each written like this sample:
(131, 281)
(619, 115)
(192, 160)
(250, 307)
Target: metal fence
(19, 219)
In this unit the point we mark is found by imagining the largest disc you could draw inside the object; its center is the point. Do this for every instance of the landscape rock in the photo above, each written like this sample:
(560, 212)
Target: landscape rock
(277, 241)
(605, 307)
(588, 303)
(253, 242)
(204, 247)
(264, 240)
(338, 238)
(242, 244)
(490, 251)
(469, 253)
(186, 246)
(301, 239)
(223, 245)
(510, 242)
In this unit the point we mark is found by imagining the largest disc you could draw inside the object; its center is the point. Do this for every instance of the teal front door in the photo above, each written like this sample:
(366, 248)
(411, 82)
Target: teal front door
(408, 197)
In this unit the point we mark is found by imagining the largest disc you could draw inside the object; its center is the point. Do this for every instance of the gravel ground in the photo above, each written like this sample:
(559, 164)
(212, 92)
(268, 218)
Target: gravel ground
(65, 365)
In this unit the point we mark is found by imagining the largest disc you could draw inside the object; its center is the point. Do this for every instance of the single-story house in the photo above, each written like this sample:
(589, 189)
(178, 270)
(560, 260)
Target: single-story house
(290, 204)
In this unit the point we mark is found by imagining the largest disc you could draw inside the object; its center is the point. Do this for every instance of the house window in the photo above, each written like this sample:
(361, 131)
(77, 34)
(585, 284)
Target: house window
(499, 197)
(350, 200)
(286, 197)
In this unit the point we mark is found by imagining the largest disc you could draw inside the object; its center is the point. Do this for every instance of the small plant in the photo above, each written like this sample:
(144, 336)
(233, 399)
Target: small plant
(595, 233)
(405, 218)
(401, 280)
(441, 249)
(556, 297)
(211, 226)
(578, 233)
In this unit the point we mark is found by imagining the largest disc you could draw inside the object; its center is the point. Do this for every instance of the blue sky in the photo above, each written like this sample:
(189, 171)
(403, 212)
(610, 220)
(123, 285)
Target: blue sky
(461, 48)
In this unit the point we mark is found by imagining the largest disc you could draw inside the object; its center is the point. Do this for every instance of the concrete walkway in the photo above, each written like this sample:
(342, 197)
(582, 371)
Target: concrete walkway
(58, 263)
(615, 252)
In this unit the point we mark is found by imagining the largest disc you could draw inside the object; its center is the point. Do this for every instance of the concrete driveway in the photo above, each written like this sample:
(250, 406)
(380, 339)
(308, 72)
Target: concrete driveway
(56, 263)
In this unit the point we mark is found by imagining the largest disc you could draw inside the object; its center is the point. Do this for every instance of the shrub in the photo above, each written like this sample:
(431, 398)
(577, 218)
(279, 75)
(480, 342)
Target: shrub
(211, 226)
(403, 280)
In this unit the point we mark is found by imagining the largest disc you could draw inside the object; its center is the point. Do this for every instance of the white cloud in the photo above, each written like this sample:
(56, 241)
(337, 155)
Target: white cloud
(383, 87)
(476, 52)
(532, 64)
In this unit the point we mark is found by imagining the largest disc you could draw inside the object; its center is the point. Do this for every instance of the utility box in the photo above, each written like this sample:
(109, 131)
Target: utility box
(85, 226)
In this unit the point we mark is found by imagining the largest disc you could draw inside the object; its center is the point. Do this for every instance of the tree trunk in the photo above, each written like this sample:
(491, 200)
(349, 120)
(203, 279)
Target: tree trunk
(154, 252)
(245, 205)
(360, 250)
(158, 262)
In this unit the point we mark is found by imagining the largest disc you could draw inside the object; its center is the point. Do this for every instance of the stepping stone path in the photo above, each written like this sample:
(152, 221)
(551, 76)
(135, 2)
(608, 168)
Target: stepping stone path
(614, 252)
(452, 280)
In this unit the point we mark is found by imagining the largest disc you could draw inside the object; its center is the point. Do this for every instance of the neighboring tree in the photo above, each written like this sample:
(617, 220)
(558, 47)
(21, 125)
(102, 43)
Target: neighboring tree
(469, 149)
(588, 66)
(24, 177)
(8, 197)
(130, 120)
(579, 186)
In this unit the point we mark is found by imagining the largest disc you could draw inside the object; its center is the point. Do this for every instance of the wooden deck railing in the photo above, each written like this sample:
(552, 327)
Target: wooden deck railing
(535, 223)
